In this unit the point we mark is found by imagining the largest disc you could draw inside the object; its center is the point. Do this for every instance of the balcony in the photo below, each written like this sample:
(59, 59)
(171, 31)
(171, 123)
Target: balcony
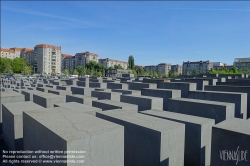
(53, 51)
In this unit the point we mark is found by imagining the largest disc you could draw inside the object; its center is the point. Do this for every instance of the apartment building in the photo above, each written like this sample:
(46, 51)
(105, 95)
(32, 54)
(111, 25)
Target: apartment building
(48, 59)
(242, 63)
(176, 68)
(82, 58)
(162, 68)
(111, 63)
(218, 64)
(17, 52)
(201, 67)
(7, 53)
(68, 62)
(223, 67)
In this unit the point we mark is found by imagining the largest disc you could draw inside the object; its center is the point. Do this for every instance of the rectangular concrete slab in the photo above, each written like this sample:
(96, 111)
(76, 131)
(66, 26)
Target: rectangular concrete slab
(101, 95)
(185, 87)
(143, 102)
(124, 92)
(219, 111)
(82, 99)
(65, 130)
(155, 141)
(239, 99)
(83, 108)
(230, 143)
(162, 93)
(13, 123)
(224, 88)
(198, 132)
(48, 100)
(110, 105)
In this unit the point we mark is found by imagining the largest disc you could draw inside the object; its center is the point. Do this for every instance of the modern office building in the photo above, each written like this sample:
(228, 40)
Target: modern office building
(48, 59)
(111, 63)
(176, 68)
(200, 67)
(242, 63)
(68, 62)
(82, 58)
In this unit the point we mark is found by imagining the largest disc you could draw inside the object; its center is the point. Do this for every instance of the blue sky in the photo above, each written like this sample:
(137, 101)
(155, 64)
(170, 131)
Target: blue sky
(153, 32)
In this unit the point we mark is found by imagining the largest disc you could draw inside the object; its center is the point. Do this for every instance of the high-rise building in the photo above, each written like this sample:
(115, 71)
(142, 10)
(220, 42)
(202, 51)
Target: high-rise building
(176, 68)
(48, 59)
(68, 62)
(242, 63)
(200, 67)
(111, 63)
(82, 58)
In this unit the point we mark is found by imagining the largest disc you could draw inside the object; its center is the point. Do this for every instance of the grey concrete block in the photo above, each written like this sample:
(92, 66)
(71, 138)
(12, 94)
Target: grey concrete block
(64, 130)
(82, 90)
(230, 143)
(124, 92)
(13, 123)
(112, 85)
(139, 86)
(162, 93)
(60, 92)
(239, 99)
(109, 105)
(48, 100)
(67, 88)
(219, 111)
(9, 97)
(155, 141)
(28, 94)
(199, 83)
(97, 85)
(80, 99)
(143, 102)
(83, 108)
(243, 89)
(183, 86)
(198, 132)
(115, 96)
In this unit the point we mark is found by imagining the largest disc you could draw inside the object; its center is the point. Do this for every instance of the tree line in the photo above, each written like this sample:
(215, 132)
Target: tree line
(17, 65)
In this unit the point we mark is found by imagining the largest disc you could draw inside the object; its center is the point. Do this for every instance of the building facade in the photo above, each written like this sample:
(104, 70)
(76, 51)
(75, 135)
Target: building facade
(48, 59)
(223, 67)
(200, 67)
(176, 68)
(82, 58)
(111, 63)
(68, 62)
(242, 64)
(9, 53)
(163, 68)
(150, 67)
(218, 64)
(17, 52)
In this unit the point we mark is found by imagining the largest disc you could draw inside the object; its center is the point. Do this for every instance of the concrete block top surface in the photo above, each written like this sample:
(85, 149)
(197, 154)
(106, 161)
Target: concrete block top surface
(203, 101)
(190, 83)
(236, 93)
(77, 106)
(82, 96)
(115, 103)
(10, 93)
(17, 108)
(179, 117)
(146, 121)
(167, 90)
(235, 125)
(71, 125)
(139, 96)
(48, 95)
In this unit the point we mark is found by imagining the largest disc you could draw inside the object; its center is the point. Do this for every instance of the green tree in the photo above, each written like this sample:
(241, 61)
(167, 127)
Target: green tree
(66, 72)
(80, 70)
(140, 71)
(134, 72)
(194, 72)
(164, 75)
(155, 74)
(131, 62)
(8, 69)
(27, 70)
(75, 72)
(92, 65)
